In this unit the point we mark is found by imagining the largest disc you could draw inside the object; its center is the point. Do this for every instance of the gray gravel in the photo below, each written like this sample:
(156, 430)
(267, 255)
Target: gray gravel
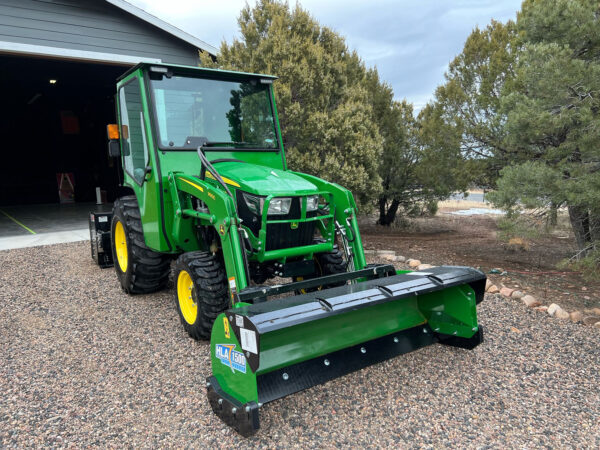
(83, 364)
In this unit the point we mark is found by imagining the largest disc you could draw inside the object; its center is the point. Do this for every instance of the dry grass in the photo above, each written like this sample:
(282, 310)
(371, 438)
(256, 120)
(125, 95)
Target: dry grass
(518, 243)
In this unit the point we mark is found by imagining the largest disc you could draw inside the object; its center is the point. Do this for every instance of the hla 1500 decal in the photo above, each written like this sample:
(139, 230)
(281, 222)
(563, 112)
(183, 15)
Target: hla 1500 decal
(230, 357)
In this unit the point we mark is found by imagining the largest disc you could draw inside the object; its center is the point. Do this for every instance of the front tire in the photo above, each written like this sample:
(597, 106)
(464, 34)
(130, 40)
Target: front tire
(201, 292)
(140, 270)
(328, 263)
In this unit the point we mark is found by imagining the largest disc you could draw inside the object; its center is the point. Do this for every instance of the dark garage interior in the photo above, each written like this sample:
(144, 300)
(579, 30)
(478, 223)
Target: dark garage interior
(54, 117)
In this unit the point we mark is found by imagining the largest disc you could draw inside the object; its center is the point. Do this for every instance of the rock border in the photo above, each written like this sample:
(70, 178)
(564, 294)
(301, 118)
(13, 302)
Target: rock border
(590, 317)
(585, 317)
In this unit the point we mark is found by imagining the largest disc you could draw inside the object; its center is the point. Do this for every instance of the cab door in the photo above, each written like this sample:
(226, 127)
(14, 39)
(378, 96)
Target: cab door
(138, 166)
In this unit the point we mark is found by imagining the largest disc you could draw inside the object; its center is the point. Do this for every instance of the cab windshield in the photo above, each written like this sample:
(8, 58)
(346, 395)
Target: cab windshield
(216, 112)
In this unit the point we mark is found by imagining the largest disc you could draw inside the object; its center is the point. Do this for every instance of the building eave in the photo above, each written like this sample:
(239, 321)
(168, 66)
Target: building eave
(153, 20)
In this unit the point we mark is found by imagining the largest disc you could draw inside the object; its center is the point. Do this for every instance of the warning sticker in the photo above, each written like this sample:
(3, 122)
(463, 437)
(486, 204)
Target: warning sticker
(239, 320)
(248, 340)
(232, 286)
(102, 219)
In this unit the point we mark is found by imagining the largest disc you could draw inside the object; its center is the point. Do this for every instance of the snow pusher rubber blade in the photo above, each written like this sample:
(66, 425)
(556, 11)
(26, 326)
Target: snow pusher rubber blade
(267, 350)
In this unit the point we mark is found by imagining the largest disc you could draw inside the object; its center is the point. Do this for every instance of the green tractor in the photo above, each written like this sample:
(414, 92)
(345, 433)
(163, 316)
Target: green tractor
(206, 185)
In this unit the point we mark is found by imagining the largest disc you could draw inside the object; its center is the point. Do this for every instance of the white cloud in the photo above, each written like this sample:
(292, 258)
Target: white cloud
(408, 40)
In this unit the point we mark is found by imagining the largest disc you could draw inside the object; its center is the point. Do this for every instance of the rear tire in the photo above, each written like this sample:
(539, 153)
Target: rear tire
(201, 292)
(140, 270)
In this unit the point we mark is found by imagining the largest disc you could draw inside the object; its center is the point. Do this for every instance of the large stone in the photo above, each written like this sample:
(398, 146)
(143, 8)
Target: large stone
(424, 266)
(506, 291)
(488, 284)
(597, 324)
(369, 252)
(552, 309)
(530, 301)
(517, 294)
(388, 257)
(413, 263)
(385, 252)
(542, 308)
(561, 314)
(591, 320)
(577, 316)
(595, 311)
(400, 259)
(493, 289)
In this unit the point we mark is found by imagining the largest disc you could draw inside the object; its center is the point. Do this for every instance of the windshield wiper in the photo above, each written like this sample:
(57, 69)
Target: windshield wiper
(201, 141)
(224, 143)
(230, 144)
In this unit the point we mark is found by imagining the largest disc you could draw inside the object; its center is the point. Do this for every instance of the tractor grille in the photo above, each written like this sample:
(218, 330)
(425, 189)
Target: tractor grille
(281, 235)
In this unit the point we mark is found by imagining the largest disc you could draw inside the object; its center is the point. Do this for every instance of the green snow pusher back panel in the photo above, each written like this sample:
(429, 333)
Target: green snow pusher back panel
(267, 350)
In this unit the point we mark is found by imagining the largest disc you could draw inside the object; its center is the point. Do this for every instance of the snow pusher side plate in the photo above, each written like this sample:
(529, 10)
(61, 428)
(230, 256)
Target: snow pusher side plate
(268, 350)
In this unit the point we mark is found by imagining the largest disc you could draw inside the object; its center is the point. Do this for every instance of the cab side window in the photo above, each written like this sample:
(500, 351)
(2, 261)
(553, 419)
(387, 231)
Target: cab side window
(133, 136)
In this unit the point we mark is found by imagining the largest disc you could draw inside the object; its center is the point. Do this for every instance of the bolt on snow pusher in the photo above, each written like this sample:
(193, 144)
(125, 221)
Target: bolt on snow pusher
(205, 183)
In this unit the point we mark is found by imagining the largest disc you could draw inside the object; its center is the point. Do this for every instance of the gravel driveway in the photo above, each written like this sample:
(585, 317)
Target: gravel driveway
(83, 364)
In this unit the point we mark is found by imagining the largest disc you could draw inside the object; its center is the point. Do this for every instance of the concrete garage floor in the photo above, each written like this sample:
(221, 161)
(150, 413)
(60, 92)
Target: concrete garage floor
(32, 225)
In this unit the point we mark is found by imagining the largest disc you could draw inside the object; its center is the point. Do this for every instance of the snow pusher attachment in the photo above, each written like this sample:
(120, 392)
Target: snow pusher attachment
(264, 350)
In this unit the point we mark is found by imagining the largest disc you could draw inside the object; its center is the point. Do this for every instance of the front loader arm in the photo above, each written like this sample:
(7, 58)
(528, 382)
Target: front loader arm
(222, 216)
(345, 215)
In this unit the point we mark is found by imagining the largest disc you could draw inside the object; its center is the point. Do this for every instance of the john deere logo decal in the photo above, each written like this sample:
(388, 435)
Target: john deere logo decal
(231, 358)
(294, 225)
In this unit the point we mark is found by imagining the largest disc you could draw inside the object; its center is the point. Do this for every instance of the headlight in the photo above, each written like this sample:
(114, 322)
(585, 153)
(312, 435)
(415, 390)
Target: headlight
(280, 206)
(312, 203)
(255, 204)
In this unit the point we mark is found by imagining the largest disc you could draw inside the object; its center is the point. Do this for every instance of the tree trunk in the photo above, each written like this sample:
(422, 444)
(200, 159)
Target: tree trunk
(382, 203)
(553, 215)
(387, 217)
(580, 223)
(595, 227)
(391, 212)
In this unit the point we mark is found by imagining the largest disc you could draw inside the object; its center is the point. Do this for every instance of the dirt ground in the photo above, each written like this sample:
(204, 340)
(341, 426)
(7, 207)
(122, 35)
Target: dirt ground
(473, 241)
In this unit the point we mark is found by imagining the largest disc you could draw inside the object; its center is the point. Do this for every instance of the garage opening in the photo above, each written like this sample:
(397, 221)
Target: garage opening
(53, 128)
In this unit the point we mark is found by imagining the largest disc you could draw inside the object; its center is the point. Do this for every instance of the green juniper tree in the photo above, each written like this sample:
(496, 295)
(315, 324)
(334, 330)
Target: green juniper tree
(470, 100)
(324, 109)
(552, 112)
(339, 121)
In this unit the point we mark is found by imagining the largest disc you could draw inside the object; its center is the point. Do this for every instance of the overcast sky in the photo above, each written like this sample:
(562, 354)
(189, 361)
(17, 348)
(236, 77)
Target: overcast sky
(410, 41)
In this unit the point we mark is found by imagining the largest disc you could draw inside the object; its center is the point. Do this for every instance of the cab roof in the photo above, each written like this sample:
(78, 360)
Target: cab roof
(197, 71)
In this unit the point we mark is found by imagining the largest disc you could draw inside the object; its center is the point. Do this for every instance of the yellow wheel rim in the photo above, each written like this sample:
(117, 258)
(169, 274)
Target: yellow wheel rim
(185, 295)
(121, 246)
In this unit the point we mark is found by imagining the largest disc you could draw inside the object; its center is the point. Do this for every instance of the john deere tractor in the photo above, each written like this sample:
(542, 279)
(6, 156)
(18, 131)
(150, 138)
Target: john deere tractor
(206, 186)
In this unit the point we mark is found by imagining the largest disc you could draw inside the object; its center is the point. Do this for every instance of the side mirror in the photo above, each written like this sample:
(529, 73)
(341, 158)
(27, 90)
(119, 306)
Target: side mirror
(114, 149)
